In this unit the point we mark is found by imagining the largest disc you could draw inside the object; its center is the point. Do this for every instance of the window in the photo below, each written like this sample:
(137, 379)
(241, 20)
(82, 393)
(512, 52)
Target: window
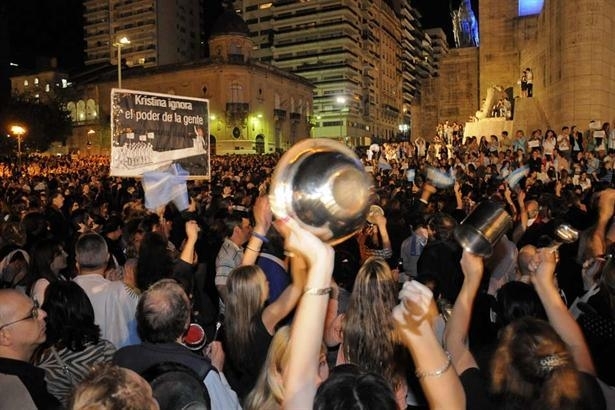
(236, 92)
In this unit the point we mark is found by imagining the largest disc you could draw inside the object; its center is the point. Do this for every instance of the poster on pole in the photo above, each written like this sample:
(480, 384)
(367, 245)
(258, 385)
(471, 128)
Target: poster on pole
(153, 132)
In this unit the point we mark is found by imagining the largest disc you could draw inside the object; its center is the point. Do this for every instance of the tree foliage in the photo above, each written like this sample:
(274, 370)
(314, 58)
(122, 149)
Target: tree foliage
(45, 121)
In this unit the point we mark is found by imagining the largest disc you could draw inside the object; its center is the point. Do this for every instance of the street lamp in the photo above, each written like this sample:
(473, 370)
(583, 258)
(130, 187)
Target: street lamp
(120, 43)
(341, 100)
(19, 131)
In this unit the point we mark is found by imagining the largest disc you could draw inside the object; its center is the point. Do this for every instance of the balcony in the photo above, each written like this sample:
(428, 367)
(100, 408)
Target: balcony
(237, 112)
(279, 114)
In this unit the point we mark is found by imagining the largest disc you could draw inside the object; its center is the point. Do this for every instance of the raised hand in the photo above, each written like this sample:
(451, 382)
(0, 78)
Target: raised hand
(415, 305)
(472, 266)
(300, 241)
(262, 214)
(192, 230)
(545, 272)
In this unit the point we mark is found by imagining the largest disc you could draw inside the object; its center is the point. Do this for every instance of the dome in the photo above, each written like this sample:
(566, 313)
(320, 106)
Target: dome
(229, 22)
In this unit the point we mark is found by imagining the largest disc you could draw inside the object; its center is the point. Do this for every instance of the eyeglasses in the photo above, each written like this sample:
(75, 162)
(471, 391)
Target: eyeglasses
(33, 315)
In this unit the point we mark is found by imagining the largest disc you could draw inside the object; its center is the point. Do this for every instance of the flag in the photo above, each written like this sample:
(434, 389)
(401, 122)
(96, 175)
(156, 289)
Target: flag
(383, 164)
(516, 176)
(162, 187)
(439, 179)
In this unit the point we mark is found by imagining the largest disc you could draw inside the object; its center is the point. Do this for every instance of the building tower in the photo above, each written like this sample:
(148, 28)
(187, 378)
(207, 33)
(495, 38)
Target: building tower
(160, 31)
(360, 54)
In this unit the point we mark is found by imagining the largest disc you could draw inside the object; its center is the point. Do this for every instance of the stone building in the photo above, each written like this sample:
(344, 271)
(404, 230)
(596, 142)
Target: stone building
(254, 107)
(568, 46)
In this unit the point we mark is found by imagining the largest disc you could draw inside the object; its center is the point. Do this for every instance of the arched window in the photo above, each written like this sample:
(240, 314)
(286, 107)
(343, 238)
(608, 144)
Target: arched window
(236, 92)
(72, 109)
(91, 111)
(81, 110)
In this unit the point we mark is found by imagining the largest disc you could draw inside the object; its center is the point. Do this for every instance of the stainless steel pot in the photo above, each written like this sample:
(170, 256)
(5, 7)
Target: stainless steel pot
(482, 228)
(322, 185)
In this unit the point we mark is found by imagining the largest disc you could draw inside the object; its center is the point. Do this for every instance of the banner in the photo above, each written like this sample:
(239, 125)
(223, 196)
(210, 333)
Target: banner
(152, 132)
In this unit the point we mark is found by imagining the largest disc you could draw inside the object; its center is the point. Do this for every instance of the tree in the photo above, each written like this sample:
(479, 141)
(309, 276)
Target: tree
(46, 122)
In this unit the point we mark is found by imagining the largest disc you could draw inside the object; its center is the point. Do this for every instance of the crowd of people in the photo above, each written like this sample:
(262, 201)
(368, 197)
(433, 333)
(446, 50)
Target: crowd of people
(107, 304)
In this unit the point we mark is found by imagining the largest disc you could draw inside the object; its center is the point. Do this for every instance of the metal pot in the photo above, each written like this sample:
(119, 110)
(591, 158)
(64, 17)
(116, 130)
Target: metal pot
(322, 185)
(482, 228)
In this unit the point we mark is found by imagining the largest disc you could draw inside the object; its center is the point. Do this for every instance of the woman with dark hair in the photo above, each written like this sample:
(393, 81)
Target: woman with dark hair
(351, 387)
(155, 261)
(549, 143)
(73, 343)
(47, 261)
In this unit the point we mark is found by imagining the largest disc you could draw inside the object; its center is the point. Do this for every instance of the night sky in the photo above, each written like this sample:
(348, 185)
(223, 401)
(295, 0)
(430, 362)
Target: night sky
(45, 28)
(436, 13)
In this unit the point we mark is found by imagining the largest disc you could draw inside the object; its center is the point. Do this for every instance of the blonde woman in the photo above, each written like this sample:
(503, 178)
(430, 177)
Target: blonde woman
(268, 393)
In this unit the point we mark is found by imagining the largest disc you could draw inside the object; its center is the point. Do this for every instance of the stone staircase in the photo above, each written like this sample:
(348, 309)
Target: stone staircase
(528, 115)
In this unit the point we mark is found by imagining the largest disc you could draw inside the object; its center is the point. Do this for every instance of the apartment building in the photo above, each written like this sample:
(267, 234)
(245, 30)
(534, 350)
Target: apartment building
(155, 32)
(365, 57)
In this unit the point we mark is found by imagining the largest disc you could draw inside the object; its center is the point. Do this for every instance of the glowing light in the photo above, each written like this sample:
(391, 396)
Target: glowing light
(530, 7)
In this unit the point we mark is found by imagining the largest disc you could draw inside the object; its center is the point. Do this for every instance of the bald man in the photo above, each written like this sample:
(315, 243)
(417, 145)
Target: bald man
(22, 330)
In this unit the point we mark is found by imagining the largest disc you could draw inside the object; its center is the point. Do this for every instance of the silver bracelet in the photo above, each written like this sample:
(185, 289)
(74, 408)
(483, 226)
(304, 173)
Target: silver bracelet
(438, 372)
(317, 291)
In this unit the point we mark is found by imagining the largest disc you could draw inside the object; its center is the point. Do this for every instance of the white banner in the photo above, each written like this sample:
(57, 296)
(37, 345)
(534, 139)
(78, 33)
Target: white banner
(151, 132)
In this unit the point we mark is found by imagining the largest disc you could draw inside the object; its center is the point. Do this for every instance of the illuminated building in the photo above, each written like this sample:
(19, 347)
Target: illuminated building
(160, 31)
(254, 107)
(366, 59)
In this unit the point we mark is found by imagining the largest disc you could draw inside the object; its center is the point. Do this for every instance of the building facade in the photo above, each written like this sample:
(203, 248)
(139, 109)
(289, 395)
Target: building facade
(566, 44)
(160, 31)
(366, 59)
(254, 107)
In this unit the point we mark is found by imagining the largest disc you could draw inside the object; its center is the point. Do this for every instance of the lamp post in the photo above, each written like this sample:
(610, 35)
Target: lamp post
(341, 100)
(119, 44)
(19, 131)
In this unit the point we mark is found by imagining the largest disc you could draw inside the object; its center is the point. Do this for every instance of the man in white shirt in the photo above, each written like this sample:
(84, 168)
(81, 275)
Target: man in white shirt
(239, 230)
(114, 303)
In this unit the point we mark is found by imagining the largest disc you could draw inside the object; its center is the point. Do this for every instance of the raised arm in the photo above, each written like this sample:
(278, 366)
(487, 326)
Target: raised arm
(308, 325)
(288, 299)
(438, 379)
(192, 234)
(606, 206)
(560, 318)
(523, 218)
(262, 222)
(456, 333)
